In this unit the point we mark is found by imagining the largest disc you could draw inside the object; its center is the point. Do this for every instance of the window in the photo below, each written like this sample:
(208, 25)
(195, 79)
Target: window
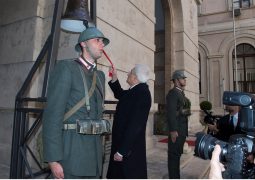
(244, 68)
(241, 4)
(236, 4)
(246, 3)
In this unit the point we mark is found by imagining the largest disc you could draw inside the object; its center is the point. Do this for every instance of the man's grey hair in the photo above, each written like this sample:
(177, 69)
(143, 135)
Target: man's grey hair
(142, 72)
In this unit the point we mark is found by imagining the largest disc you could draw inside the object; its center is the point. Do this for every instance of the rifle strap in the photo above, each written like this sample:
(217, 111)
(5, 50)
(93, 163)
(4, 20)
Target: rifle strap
(84, 100)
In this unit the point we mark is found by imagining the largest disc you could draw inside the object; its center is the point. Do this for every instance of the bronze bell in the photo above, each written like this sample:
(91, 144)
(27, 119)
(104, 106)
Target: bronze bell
(76, 17)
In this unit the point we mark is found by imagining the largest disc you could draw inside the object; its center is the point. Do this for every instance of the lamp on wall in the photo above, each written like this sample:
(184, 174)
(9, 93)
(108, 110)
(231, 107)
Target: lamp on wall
(76, 18)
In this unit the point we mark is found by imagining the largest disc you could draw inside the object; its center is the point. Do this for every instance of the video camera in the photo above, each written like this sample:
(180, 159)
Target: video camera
(211, 119)
(234, 154)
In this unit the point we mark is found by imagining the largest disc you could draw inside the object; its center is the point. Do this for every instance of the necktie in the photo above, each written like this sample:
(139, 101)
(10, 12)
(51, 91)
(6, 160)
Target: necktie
(231, 123)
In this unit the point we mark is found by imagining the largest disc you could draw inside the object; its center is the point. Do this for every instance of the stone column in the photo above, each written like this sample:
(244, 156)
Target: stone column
(216, 81)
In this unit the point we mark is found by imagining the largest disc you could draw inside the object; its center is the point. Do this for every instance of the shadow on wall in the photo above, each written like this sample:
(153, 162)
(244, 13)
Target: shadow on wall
(160, 123)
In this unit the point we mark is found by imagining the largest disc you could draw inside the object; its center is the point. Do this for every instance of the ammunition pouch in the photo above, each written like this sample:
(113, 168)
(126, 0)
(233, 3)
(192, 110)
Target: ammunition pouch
(88, 126)
(186, 112)
(91, 126)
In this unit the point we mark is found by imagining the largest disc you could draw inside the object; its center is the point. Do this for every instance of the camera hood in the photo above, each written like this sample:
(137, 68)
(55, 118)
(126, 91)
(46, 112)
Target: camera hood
(237, 98)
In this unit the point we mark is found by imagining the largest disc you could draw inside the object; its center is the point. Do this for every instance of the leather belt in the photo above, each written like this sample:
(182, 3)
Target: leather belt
(69, 126)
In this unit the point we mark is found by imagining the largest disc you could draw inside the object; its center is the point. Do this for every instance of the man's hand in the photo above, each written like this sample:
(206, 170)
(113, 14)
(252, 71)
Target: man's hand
(174, 135)
(117, 157)
(56, 170)
(250, 158)
(213, 127)
(114, 74)
(216, 166)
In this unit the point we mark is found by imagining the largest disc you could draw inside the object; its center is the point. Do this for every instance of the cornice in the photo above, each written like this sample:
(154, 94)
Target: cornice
(213, 56)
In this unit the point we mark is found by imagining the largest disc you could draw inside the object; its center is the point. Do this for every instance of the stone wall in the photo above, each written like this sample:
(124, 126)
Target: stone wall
(184, 54)
(130, 27)
(24, 25)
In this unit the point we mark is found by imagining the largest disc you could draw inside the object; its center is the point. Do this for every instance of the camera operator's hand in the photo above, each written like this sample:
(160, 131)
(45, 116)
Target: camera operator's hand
(250, 158)
(216, 166)
(213, 127)
(174, 135)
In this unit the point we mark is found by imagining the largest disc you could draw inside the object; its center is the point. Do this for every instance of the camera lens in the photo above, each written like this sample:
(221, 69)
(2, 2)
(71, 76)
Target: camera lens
(205, 144)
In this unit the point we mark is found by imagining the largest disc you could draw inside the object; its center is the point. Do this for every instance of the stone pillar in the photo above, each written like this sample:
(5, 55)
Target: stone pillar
(216, 82)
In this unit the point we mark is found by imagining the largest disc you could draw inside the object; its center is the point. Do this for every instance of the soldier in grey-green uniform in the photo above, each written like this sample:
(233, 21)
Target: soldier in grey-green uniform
(176, 103)
(68, 153)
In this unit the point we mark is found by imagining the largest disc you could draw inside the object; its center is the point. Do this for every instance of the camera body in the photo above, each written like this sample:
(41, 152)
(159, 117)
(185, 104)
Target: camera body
(209, 118)
(234, 153)
(247, 112)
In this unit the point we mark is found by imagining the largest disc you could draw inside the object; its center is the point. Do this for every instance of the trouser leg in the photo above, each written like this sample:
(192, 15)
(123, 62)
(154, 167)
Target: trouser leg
(174, 154)
(70, 176)
(173, 166)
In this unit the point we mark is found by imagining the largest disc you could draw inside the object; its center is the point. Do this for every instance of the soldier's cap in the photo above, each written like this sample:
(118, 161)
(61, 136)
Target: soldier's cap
(90, 33)
(178, 74)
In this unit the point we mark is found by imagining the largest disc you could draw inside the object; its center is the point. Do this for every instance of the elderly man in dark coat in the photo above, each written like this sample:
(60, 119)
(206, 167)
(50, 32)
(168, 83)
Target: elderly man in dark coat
(70, 154)
(128, 151)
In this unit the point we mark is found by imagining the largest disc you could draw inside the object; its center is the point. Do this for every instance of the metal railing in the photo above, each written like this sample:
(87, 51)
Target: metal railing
(22, 131)
(25, 161)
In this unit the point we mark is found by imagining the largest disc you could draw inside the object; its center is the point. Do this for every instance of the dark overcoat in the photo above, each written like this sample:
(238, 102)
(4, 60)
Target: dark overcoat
(128, 133)
(225, 130)
(80, 155)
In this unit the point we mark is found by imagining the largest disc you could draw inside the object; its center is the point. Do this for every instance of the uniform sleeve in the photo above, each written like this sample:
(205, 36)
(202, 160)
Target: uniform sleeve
(171, 111)
(57, 96)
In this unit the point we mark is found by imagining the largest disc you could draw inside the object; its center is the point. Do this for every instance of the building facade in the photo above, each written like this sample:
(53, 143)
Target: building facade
(222, 66)
(176, 43)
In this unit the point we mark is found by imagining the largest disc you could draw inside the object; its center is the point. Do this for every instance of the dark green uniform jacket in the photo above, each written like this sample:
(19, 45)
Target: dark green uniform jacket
(175, 101)
(80, 155)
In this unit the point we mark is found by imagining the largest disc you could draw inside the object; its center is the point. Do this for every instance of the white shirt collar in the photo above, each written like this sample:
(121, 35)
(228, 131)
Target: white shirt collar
(88, 66)
(236, 116)
(133, 86)
(178, 88)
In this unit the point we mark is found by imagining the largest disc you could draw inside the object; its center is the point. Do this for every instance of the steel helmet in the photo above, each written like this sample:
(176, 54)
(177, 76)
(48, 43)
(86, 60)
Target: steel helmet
(90, 33)
(178, 74)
